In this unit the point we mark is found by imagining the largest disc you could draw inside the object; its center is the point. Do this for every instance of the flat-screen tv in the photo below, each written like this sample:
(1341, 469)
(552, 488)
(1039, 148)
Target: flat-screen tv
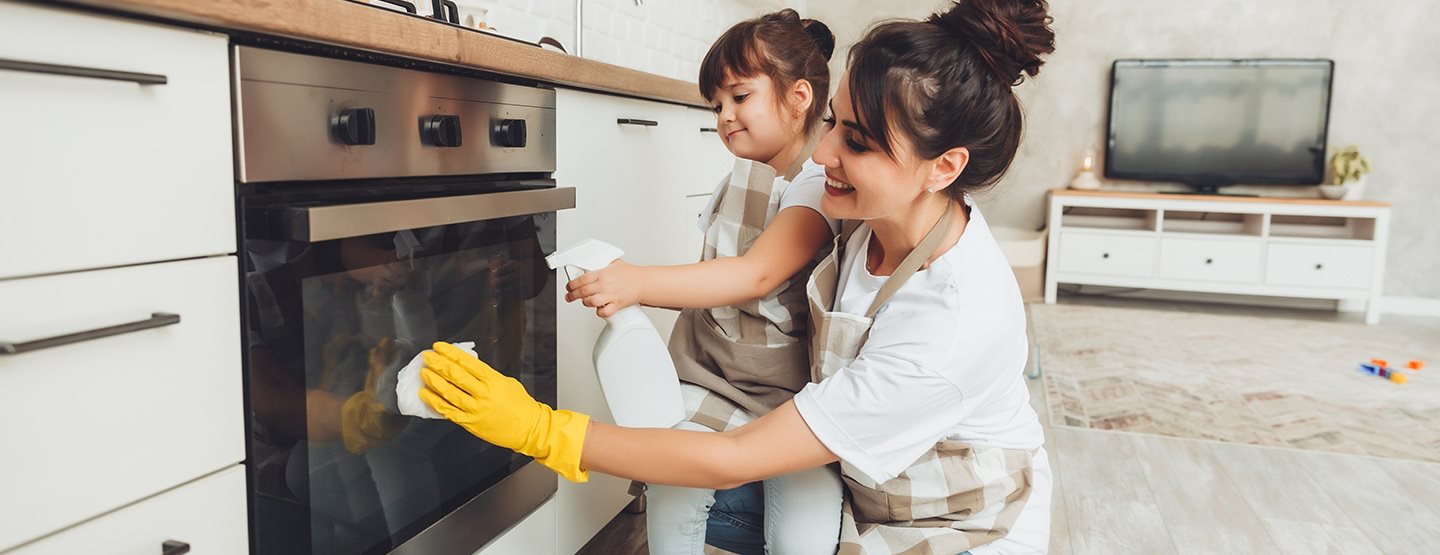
(1213, 123)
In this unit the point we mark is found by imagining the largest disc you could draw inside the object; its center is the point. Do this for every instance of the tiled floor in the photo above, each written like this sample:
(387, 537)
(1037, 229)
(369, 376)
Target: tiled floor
(1119, 492)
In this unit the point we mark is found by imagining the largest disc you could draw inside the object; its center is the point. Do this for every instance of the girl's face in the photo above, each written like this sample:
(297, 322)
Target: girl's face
(861, 181)
(750, 120)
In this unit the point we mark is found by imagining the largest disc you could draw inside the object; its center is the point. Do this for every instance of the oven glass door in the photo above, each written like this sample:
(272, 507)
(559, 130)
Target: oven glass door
(334, 312)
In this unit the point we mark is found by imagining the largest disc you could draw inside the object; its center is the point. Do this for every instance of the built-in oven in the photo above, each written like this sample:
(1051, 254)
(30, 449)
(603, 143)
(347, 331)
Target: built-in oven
(383, 209)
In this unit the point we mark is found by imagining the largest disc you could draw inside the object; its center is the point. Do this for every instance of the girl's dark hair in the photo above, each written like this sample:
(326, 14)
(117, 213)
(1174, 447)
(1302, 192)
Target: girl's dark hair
(947, 82)
(779, 45)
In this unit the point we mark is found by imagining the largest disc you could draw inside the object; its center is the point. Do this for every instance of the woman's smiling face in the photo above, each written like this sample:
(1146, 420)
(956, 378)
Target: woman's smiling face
(862, 182)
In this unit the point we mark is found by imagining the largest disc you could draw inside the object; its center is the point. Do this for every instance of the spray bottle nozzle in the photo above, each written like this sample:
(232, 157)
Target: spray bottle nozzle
(587, 255)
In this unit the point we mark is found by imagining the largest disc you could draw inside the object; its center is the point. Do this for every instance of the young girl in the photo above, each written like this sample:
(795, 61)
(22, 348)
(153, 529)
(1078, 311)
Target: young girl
(740, 343)
(918, 331)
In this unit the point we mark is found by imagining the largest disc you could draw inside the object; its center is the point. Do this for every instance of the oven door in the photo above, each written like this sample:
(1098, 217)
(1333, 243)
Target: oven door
(339, 297)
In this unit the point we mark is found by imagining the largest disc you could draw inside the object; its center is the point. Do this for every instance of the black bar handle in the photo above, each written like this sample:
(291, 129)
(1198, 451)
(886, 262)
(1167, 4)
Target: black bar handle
(446, 10)
(77, 71)
(173, 547)
(156, 320)
(709, 130)
(409, 7)
(634, 121)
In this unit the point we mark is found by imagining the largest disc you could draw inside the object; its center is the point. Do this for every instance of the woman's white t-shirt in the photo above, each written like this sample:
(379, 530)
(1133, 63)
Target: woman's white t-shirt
(945, 359)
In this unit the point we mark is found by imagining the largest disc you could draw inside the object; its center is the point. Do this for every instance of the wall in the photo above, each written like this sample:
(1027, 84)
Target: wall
(664, 37)
(1384, 96)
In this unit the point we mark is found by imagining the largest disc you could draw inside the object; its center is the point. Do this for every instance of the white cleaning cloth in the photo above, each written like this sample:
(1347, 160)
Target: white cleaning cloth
(408, 385)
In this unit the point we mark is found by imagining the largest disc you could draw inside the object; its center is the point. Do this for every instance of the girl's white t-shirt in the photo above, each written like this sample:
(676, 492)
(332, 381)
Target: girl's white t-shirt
(945, 359)
(806, 190)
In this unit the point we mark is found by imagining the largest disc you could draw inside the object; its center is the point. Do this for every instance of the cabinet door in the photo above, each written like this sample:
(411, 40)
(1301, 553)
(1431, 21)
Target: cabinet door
(1220, 260)
(694, 238)
(93, 425)
(208, 515)
(102, 172)
(707, 157)
(628, 189)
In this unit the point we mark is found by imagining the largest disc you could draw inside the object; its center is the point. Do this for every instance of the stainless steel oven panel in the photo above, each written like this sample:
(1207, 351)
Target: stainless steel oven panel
(476, 523)
(324, 223)
(287, 105)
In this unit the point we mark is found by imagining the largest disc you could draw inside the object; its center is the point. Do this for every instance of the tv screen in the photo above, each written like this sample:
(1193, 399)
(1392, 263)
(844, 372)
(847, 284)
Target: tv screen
(1211, 123)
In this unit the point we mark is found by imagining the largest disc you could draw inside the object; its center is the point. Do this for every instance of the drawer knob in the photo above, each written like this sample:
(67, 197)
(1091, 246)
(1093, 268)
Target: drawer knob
(1209, 260)
(174, 547)
(1319, 266)
(510, 133)
(443, 131)
(1105, 255)
(356, 126)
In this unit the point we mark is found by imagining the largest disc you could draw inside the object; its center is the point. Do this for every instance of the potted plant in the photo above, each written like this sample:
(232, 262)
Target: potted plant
(1349, 169)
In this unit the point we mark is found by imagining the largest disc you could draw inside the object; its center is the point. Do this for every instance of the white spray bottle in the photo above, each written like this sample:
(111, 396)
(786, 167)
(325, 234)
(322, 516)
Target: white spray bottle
(636, 373)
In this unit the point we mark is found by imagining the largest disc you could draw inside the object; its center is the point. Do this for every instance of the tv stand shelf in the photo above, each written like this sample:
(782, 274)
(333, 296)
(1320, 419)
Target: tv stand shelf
(1282, 247)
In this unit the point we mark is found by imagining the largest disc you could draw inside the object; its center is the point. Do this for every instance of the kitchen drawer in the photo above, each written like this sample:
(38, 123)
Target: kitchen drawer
(208, 515)
(1106, 254)
(93, 425)
(105, 172)
(1231, 261)
(1319, 265)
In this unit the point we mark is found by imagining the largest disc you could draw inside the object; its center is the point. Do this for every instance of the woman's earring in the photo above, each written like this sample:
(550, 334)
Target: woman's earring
(931, 190)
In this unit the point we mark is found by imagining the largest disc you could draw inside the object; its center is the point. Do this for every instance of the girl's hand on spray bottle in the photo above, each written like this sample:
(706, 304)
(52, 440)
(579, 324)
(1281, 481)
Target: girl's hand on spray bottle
(608, 290)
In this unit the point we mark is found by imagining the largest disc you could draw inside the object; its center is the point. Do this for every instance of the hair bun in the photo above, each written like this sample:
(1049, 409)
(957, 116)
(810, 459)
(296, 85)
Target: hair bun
(1012, 35)
(824, 39)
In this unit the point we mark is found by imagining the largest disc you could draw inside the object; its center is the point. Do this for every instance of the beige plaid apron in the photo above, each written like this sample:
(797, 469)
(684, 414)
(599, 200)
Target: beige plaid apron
(753, 354)
(954, 497)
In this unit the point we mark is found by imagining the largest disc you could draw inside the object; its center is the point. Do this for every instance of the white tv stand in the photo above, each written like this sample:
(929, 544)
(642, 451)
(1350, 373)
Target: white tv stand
(1283, 247)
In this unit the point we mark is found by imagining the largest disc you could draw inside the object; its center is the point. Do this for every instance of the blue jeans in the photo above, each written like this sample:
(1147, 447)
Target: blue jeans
(737, 520)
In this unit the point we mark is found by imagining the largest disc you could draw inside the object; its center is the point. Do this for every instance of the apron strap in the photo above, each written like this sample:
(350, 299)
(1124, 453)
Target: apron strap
(913, 261)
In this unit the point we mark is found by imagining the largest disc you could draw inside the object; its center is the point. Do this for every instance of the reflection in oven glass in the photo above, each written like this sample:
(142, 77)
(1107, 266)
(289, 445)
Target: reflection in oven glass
(332, 324)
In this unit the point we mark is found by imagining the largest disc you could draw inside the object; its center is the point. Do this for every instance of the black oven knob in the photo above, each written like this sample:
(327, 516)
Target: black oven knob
(356, 126)
(510, 133)
(443, 131)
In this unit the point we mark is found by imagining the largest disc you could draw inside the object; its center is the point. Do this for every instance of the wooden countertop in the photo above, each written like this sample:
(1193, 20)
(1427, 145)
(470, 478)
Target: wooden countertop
(353, 25)
(1221, 198)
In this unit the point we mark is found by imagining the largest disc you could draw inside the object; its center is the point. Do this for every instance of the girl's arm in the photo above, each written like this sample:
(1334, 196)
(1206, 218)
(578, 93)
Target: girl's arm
(784, 248)
(778, 443)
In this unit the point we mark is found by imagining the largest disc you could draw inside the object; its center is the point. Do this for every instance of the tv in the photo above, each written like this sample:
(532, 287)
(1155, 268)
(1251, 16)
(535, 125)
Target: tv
(1214, 123)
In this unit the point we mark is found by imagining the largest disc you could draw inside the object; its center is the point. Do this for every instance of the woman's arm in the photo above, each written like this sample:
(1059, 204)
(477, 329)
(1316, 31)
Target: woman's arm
(775, 444)
(784, 248)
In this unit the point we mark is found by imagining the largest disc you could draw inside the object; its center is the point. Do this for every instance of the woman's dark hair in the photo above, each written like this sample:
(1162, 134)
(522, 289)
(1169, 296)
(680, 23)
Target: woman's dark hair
(946, 82)
(779, 45)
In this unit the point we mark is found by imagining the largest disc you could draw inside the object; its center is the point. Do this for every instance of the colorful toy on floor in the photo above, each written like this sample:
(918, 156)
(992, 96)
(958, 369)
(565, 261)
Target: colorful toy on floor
(1381, 368)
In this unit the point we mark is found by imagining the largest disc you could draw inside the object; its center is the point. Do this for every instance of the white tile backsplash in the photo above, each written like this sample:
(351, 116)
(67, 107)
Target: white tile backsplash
(664, 37)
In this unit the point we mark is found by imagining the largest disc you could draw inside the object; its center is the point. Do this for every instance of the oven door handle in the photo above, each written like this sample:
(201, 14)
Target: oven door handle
(324, 223)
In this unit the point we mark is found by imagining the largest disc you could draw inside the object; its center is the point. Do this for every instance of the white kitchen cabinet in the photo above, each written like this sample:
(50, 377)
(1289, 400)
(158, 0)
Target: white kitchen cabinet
(709, 161)
(535, 534)
(111, 168)
(93, 425)
(208, 515)
(636, 186)
(628, 192)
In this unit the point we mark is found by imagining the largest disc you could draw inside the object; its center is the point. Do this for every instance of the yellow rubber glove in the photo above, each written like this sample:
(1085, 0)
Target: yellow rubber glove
(496, 408)
(364, 421)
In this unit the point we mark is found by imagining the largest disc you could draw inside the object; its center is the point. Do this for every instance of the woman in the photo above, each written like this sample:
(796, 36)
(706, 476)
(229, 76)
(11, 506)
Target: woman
(918, 331)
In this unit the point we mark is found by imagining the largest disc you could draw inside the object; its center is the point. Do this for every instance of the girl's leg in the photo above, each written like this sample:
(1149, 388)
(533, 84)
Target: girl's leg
(802, 512)
(675, 517)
